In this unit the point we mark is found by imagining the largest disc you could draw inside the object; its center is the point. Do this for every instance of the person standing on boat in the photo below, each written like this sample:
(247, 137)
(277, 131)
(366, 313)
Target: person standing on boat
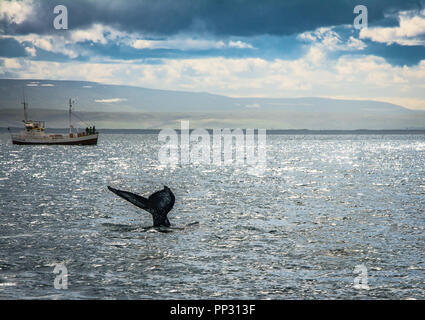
(87, 131)
(94, 130)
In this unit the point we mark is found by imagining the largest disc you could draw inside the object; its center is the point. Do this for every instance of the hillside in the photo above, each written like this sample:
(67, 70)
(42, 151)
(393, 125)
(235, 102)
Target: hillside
(117, 106)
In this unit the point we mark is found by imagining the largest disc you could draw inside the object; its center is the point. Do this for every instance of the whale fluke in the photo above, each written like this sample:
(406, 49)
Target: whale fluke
(158, 204)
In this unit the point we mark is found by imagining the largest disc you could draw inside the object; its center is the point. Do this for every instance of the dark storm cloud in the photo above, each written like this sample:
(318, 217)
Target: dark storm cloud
(11, 48)
(397, 54)
(219, 17)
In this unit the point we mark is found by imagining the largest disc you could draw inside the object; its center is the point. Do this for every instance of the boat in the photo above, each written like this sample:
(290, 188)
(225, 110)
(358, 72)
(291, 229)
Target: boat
(34, 133)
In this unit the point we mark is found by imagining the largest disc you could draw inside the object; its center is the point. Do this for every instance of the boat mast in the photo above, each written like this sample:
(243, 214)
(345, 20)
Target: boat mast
(70, 124)
(25, 106)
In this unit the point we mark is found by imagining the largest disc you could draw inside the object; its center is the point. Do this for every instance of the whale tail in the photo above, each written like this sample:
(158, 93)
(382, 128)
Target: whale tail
(135, 199)
(158, 204)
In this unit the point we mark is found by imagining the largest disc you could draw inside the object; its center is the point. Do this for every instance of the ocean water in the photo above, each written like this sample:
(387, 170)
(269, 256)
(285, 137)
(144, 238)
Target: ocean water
(324, 206)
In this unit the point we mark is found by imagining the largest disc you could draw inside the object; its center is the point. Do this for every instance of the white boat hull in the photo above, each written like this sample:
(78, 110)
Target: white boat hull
(55, 139)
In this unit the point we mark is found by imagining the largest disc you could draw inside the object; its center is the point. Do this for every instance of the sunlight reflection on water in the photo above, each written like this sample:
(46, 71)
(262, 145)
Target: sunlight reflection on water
(324, 205)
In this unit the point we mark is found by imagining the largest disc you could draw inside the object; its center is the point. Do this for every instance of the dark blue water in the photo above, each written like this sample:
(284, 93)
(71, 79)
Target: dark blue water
(324, 205)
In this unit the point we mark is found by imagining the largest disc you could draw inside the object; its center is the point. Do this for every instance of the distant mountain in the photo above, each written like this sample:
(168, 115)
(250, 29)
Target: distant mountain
(92, 96)
(117, 106)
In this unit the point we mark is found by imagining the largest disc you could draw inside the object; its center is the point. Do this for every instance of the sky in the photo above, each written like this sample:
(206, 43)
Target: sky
(237, 48)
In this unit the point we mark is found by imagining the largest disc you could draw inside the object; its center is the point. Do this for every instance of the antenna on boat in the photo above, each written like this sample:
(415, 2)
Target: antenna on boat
(25, 105)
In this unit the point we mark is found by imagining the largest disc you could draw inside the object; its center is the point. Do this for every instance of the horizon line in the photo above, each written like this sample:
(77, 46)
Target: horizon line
(273, 131)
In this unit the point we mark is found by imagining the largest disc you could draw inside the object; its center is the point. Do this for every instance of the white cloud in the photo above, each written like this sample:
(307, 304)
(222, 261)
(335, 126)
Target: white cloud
(70, 43)
(16, 11)
(366, 77)
(410, 32)
(95, 34)
(239, 44)
(316, 54)
(254, 105)
(51, 43)
(31, 51)
(327, 39)
(187, 44)
(98, 33)
(355, 44)
(113, 100)
(11, 64)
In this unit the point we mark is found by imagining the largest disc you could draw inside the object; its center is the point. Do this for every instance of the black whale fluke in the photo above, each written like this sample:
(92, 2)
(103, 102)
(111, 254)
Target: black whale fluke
(158, 204)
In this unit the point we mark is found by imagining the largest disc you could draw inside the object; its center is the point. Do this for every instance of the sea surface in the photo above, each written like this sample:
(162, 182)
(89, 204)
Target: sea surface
(329, 213)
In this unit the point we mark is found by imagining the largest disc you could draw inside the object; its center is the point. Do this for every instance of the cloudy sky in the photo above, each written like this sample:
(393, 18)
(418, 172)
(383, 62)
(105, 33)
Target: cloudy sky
(267, 48)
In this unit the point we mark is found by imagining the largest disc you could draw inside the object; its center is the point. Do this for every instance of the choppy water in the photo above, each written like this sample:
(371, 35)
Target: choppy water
(324, 205)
